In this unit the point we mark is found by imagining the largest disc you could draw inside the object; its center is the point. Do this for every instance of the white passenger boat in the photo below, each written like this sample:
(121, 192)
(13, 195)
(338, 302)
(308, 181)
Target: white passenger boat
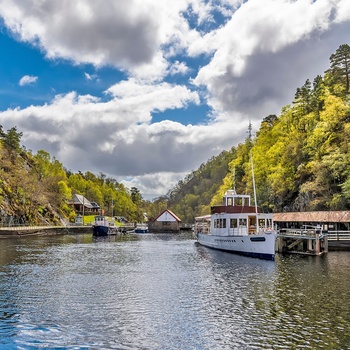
(238, 227)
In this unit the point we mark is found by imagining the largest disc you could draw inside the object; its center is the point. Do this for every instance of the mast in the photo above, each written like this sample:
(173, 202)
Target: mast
(251, 160)
(253, 178)
(234, 180)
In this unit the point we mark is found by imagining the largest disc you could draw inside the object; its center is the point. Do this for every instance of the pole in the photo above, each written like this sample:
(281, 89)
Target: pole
(256, 205)
(83, 208)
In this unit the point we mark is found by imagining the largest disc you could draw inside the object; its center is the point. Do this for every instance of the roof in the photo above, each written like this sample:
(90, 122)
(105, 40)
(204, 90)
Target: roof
(171, 213)
(79, 199)
(313, 216)
(95, 205)
(203, 218)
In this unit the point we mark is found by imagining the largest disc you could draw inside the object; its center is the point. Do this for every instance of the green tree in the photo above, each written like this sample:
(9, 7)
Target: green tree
(339, 70)
(136, 196)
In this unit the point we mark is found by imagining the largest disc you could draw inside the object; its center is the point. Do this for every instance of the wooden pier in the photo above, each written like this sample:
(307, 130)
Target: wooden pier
(307, 241)
(18, 231)
(21, 231)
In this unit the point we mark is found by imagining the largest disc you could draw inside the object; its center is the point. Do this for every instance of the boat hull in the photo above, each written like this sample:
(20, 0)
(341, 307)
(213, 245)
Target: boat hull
(141, 230)
(257, 246)
(99, 230)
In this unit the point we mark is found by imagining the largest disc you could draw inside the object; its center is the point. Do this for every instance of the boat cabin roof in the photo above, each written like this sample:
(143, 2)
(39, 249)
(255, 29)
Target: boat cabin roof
(231, 198)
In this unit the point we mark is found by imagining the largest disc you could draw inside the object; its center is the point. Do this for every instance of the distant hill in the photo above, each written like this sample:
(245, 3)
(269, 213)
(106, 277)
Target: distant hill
(192, 196)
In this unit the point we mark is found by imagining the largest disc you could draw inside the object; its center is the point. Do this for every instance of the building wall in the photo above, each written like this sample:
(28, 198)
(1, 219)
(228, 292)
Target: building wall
(164, 226)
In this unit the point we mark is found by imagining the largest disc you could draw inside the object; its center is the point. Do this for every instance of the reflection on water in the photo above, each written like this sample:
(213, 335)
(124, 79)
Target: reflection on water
(167, 292)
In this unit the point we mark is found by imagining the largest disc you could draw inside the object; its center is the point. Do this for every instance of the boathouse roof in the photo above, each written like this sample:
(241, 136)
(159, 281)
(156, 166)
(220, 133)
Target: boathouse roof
(167, 215)
(313, 216)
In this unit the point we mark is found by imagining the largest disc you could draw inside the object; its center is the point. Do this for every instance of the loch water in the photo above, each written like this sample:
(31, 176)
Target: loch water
(167, 292)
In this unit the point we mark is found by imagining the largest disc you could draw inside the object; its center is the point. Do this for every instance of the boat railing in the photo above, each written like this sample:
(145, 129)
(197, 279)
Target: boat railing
(263, 229)
(338, 235)
(201, 227)
(306, 231)
(238, 231)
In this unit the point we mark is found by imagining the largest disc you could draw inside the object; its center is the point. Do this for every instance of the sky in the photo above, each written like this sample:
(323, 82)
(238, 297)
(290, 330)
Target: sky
(144, 91)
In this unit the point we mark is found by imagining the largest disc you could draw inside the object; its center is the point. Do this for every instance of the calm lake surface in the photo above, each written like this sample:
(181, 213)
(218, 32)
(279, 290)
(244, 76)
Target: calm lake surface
(167, 292)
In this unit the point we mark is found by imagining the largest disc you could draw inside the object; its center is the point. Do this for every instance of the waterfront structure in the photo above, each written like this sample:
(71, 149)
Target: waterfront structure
(334, 224)
(328, 220)
(166, 221)
(308, 240)
(83, 206)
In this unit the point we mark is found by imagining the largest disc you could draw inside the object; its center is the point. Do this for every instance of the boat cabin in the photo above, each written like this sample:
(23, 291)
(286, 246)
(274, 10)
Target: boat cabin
(100, 220)
(231, 198)
(236, 216)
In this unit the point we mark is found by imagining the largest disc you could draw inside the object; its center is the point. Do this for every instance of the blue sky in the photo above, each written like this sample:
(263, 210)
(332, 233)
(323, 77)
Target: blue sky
(146, 90)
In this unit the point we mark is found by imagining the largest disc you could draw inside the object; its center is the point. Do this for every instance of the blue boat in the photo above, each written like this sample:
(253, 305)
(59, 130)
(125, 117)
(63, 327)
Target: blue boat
(100, 226)
(141, 228)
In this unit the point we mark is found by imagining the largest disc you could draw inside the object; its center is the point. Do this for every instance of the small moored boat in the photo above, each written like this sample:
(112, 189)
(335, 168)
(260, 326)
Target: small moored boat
(141, 228)
(100, 226)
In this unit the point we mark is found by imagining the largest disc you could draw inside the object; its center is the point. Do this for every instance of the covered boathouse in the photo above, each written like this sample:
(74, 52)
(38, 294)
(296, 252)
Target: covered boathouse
(166, 221)
(336, 224)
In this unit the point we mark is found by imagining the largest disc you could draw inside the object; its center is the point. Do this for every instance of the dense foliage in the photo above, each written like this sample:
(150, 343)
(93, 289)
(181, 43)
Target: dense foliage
(192, 196)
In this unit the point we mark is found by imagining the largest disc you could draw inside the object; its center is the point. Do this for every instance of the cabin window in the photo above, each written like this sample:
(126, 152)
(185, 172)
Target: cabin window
(243, 222)
(230, 201)
(261, 222)
(252, 221)
(223, 223)
(166, 223)
(233, 223)
(220, 223)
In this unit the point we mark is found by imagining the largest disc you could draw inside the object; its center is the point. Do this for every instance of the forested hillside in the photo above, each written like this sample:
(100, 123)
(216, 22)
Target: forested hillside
(36, 189)
(301, 157)
(192, 196)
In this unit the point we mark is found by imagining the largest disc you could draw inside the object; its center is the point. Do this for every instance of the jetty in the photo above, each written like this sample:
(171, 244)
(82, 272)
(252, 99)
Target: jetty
(307, 241)
(15, 231)
(18, 231)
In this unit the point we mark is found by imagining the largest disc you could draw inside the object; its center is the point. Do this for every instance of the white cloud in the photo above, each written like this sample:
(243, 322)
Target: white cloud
(27, 79)
(178, 68)
(90, 76)
(263, 54)
(157, 97)
(125, 34)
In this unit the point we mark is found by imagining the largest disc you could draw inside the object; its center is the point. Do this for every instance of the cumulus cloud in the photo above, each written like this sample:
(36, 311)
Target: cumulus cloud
(178, 68)
(27, 79)
(125, 34)
(265, 51)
